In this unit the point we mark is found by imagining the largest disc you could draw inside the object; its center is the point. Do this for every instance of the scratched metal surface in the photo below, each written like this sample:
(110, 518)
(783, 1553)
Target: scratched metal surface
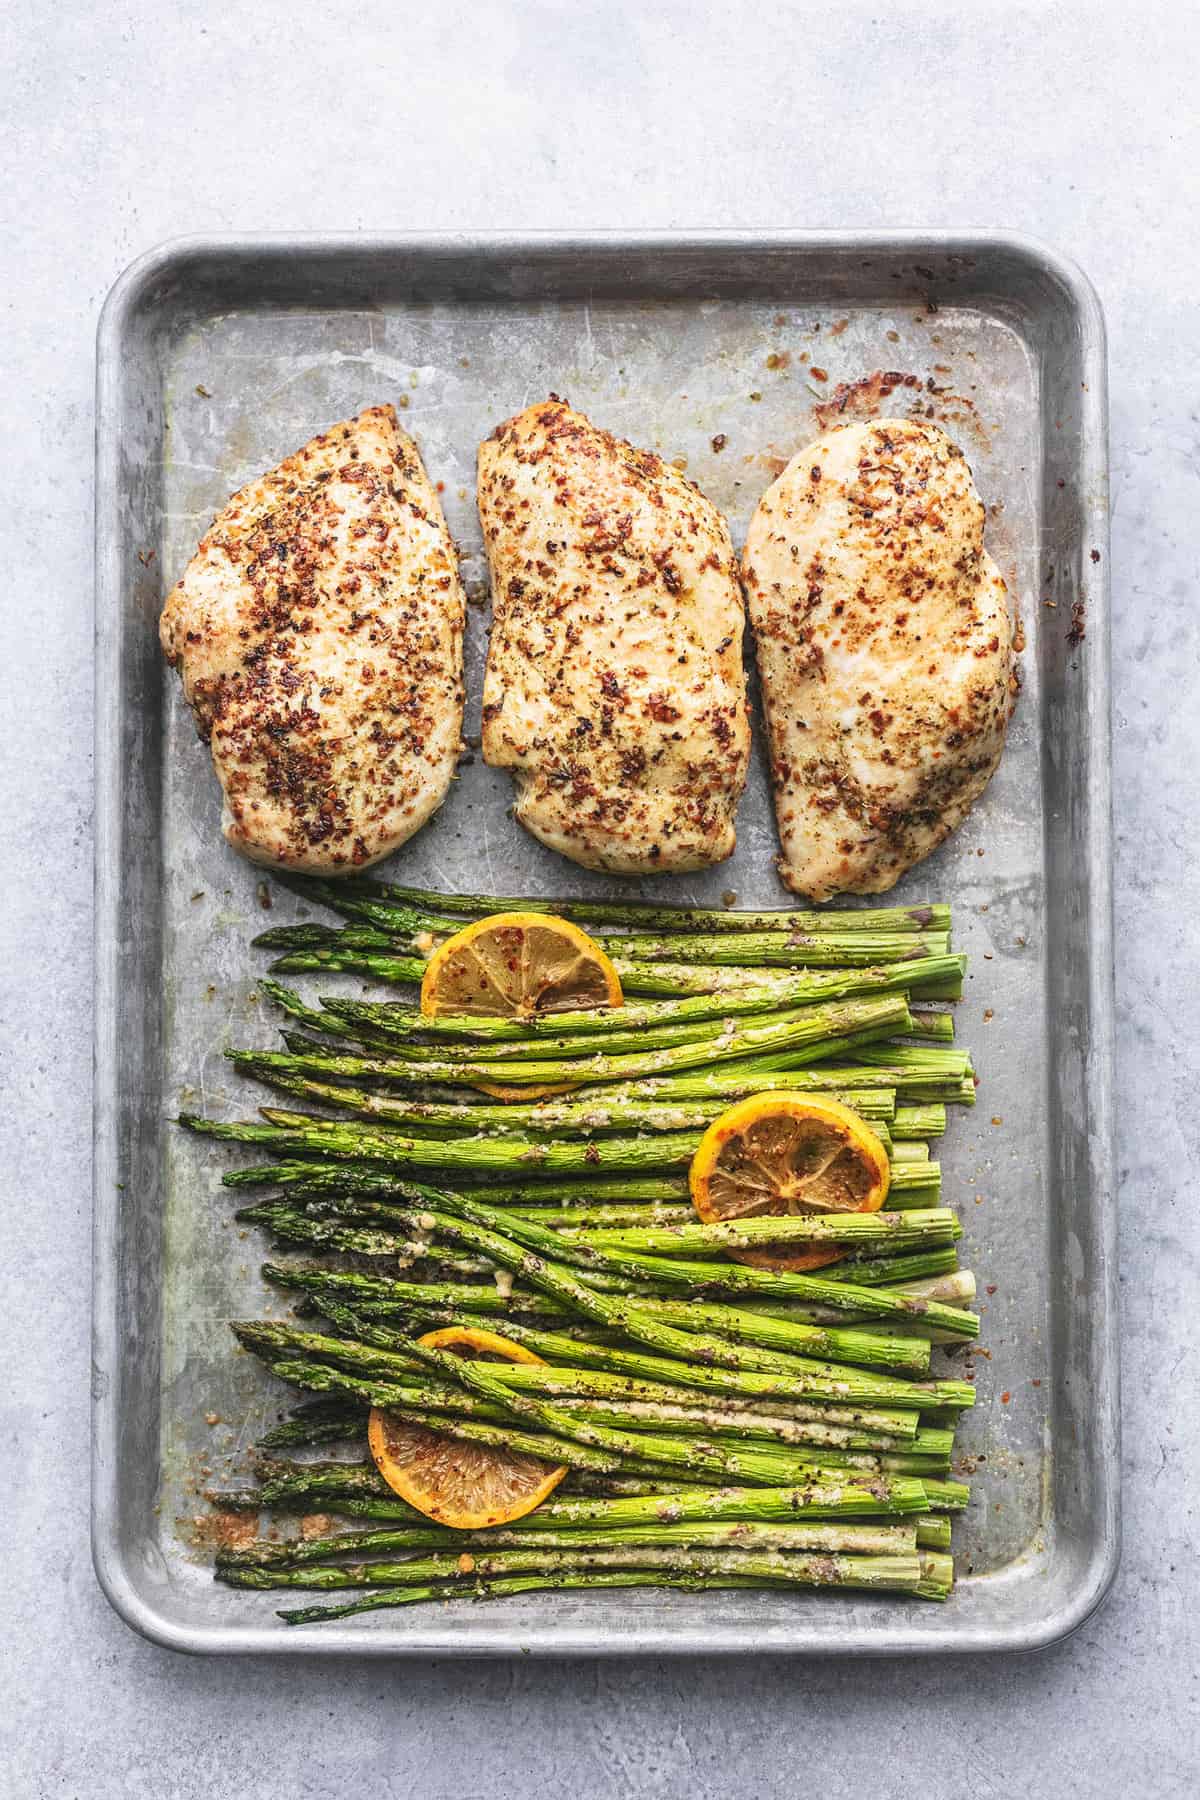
(231, 386)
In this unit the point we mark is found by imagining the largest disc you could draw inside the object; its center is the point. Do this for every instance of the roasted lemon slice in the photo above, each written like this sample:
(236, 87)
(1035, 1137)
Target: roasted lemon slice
(460, 1484)
(519, 966)
(787, 1154)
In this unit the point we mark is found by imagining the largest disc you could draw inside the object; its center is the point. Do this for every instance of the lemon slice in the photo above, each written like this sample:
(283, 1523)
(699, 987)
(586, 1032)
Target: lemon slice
(785, 1154)
(518, 966)
(464, 1485)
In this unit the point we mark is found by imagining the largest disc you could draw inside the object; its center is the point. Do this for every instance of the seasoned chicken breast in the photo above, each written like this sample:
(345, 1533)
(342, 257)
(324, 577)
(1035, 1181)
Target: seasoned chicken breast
(318, 630)
(885, 652)
(614, 689)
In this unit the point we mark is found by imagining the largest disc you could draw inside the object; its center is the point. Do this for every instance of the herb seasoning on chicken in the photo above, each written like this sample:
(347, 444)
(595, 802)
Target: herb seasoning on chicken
(614, 691)
(884, 646)
(318, 630)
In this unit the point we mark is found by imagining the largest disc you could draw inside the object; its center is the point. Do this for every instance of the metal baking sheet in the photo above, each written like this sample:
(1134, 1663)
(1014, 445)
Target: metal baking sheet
(216, 358)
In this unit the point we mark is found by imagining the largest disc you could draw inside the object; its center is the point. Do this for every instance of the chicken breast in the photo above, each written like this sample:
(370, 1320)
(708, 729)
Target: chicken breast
(884, 647)
(614, 690)
(318, 630)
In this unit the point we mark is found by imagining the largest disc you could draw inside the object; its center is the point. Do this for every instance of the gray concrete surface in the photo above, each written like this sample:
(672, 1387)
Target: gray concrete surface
(124, 124)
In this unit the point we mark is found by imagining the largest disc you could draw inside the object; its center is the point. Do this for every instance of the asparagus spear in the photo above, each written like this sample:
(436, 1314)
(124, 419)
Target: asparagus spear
(581, 1118)
(931, 1061)
(733, 1081)
(316, 1018)
(658, 978)
(743, 949)
(371, 1181)
(329, 937)
(932, 1028)
(347, 1138)
(352, 900)
(835, 1500)
(933, 1531)
(862, 1349)
(406, 971)
(925, 1121)
(609, 1216)
(783, 949)
(849, 1536)
(950, 1284)
(599, 1113)
(914, 1185)
(896, 1573)
(380, 901)
(580, 1483)
(909, 1229)
(676, 980)
(935, 1584)
(382, 1599)
(284, 1481)
(949, 1496)
(317, 1422)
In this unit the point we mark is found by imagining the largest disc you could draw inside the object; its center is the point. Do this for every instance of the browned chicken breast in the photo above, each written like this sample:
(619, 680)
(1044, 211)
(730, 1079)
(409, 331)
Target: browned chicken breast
(318, 630)
(885, 651)
(614, 689)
